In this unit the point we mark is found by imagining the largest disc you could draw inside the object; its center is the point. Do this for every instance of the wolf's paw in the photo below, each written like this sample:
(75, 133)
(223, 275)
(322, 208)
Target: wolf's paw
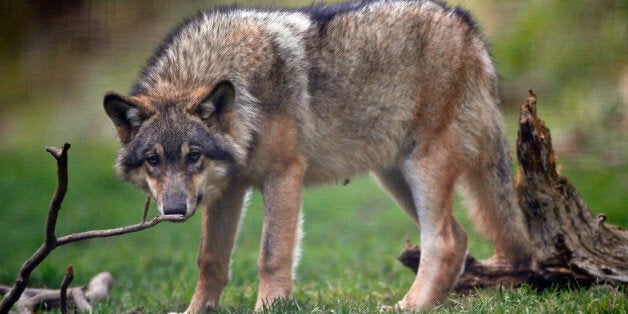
(209, 308)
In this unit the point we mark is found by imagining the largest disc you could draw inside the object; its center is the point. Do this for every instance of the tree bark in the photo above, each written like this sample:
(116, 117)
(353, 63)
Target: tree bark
(559, 222)
(573, 248)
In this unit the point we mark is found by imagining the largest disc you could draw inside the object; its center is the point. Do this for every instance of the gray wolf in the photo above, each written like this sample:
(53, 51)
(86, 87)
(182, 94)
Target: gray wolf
(239, 98)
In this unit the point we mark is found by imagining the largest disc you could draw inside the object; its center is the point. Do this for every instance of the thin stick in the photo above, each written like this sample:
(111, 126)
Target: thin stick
(61, 155)
(41, 300)
(118, 231)
(146, 206)
(63, 299)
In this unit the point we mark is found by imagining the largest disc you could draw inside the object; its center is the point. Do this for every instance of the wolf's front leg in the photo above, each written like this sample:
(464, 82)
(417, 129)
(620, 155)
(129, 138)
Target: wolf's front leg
(219, 231)
(282, 205)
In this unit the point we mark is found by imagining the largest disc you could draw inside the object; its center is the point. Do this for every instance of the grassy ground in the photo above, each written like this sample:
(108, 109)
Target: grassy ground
(352, 235)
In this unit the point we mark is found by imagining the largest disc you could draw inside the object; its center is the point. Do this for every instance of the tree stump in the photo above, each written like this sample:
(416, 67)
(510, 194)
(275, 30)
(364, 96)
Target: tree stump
(573, 248)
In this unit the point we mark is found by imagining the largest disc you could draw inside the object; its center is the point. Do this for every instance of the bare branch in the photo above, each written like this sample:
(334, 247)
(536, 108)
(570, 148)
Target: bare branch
(118, 231)
(146, 206)
(63, 298)
(61, 155)
(43, 300)
(13, 294)
(82, 304)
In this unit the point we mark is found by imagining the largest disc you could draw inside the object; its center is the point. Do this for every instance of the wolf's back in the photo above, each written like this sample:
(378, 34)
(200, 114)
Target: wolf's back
(338, 70)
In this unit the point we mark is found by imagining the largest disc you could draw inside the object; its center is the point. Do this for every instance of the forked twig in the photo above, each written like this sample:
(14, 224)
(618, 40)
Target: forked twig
(51, 241)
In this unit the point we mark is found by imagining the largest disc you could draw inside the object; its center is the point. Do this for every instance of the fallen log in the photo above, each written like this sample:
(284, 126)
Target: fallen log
(33, 300)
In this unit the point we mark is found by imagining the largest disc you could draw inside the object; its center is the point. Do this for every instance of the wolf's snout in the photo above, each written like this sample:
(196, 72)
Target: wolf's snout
(175, 210)
(174, 202)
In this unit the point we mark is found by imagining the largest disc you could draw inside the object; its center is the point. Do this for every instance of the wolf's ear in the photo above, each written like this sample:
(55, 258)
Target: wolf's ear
(215, 107)
(126, 115)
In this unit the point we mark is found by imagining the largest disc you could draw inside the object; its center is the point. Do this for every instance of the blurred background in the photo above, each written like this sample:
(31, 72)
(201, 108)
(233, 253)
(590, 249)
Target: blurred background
(58, 58)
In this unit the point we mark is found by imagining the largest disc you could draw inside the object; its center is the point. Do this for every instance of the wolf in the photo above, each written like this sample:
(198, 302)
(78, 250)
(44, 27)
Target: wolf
(279, 99)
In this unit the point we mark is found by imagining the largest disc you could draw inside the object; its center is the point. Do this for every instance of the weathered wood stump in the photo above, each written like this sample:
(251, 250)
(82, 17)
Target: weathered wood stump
(573, 248)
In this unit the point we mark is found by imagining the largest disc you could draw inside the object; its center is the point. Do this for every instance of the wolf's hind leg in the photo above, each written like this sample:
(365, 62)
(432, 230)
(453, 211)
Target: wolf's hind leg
(219, 232)
(431, 176)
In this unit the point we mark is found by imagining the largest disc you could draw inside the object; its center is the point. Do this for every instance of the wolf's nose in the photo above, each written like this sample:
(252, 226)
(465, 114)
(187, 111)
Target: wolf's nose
(177, 210)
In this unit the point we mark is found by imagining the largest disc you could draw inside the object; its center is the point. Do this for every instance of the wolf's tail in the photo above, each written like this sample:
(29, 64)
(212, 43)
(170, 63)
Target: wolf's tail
(492, 201)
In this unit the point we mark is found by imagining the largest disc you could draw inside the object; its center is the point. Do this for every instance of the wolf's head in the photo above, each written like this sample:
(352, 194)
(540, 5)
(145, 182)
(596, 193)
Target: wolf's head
(177, 147)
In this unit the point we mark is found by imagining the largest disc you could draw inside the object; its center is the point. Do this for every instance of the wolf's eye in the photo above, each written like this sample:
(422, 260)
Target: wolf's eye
(193, 157)
(153, 160)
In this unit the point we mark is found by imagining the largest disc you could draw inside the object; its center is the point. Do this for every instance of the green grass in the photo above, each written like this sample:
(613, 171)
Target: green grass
(352, 235)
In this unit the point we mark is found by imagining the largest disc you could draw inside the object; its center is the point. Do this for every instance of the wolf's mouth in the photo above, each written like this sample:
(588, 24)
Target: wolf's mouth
(199, 197)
